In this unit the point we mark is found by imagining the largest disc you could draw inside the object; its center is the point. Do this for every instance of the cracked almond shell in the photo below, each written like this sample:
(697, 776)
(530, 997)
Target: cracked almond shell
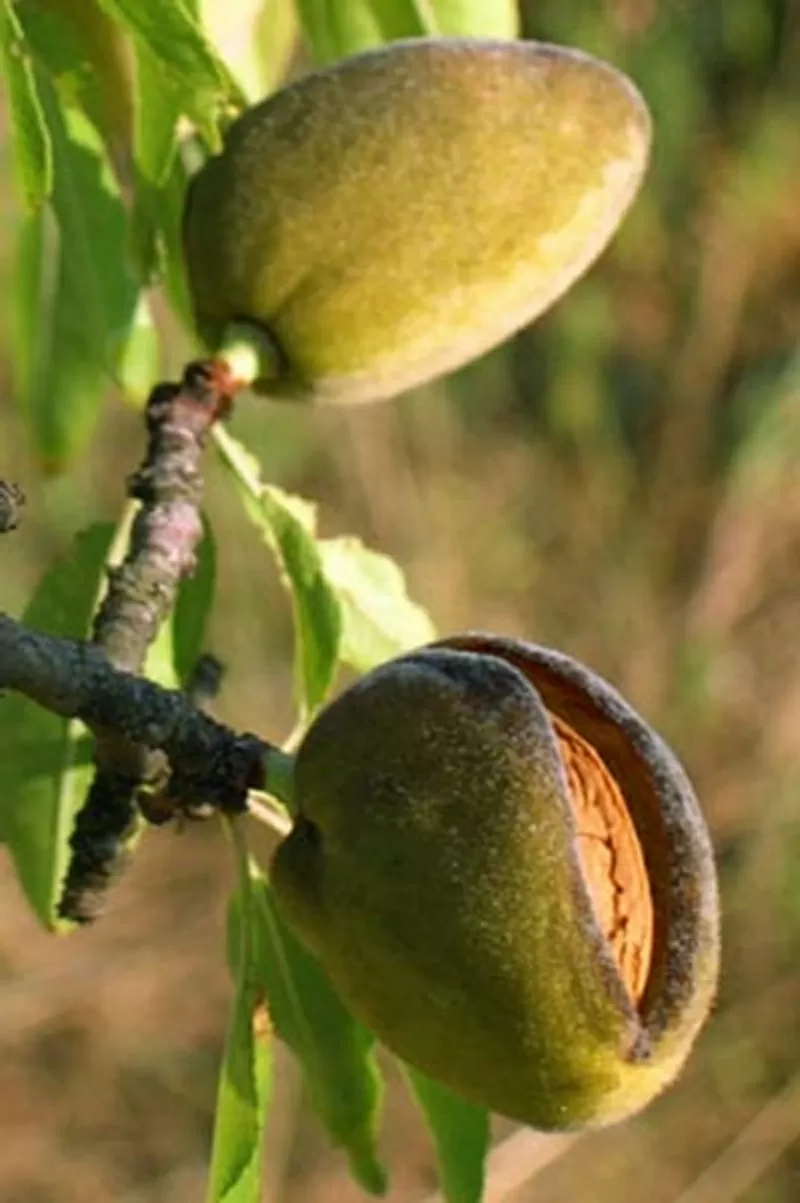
(398, 214)
(507, 876)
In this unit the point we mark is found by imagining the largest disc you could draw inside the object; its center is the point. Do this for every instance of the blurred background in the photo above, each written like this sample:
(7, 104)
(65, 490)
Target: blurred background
(621, 482)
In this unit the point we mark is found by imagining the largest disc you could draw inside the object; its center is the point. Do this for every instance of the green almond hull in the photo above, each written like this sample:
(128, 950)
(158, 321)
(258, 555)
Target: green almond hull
(433, 871)
(394, 216)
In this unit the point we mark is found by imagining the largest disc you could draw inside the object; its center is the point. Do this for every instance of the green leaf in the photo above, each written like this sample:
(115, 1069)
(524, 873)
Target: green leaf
(190, 616)
(86, 57)
(287, 524)
(317, 615)
(47, 760)
(40, 796)
(334, 1051)
(171, 201)
(33, 155)
(145, 243)
(335, 28)
(246, 1076)
(160, 100)
(139, 361)
(156, 111)
(460, 1134)
(379, 619)
(174, 36)
(477, 18)
(276, 36)
(58, 382)
(74, 303)
(256, 38)
(155, 236)
(29, 344)
(160, 663)
(196, 76)
(242, 1103)
(333, 32)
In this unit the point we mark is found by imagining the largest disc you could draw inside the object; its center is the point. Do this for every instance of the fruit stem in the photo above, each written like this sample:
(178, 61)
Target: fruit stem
(279, 776)
(266, 813)
(249, 353)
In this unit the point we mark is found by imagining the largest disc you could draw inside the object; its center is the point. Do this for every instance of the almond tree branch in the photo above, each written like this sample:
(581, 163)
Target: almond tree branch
(77, 680)
(141, 593)
(168, 527)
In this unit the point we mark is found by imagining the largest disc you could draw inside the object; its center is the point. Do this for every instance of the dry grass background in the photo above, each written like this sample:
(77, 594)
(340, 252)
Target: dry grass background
(621, 482)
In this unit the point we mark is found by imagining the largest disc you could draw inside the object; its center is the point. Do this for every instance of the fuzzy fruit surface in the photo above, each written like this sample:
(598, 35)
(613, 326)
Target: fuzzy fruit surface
(433, 869)
(396, 215)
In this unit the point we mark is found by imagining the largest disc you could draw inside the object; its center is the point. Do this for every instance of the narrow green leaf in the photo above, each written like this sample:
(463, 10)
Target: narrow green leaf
(40, 796)
(160, 664)
(47, 760)
(75, 304)
(171, 200)
(335, 28)
(155, 236)
(460, 1134)
(318, 619)
(156, 111)
(275, 40)
(333, 31)
(477, 18)
(139, 361)
(379, 619)
(174, 36)
(334, 1051)
(190, 616)
(85, 55)
(242, 1103)
(197, 78)
(287, 524)
(31, 275)
(91, 220)
(256, 38)
(33, 155)
(406, 18)
(145, 244)
(58, 382)
(246, 1075)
